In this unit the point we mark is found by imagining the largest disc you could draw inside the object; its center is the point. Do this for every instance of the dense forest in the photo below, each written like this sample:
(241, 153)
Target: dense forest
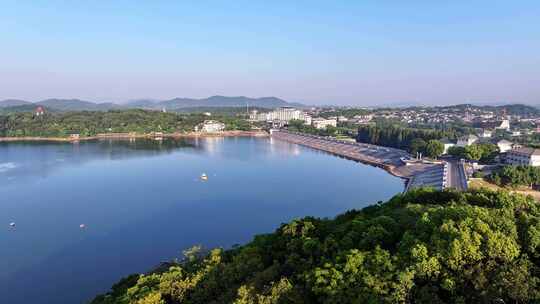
(514, 176)
(424, 246)
(89, 123)
(400, 137)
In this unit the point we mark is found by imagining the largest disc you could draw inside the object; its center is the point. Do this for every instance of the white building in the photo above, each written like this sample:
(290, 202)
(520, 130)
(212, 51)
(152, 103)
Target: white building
(307, 119)
(210, 126)
(39, 111)
(447, 145)
(505, 125)
(486, 134)
(363, 118)
(256, 116)
(467, 140)
(515, 133)
(504, 145)
(284, 114)
(524, 156)
(323, 123)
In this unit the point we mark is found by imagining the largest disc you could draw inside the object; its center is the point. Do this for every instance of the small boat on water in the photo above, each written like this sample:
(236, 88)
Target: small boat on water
(82, 226)
(204, 177)
(12, 224)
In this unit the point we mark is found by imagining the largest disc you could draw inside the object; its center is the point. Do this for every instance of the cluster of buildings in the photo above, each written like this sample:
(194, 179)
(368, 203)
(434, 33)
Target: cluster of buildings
(210, 126)
(281, 116)
(323, 123)
(523, 156)
(491, 123)
(510, 153)
(479, 117)
(437, 114)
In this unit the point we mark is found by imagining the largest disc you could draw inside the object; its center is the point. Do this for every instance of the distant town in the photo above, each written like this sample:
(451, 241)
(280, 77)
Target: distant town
(487, 145)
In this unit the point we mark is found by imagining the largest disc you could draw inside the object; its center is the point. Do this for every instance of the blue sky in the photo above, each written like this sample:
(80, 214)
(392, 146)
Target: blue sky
(342, 52)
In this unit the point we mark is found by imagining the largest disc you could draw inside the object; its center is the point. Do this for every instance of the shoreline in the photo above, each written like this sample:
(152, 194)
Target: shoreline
(390, 160)
(135, 135)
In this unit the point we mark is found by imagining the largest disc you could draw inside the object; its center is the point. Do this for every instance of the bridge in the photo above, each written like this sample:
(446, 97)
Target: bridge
(438, 175)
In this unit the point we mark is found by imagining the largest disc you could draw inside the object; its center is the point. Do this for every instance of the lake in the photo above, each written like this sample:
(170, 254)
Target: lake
(142, 202)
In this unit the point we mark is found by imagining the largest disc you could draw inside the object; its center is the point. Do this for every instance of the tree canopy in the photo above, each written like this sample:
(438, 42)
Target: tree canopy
(400, 137)
(434, 148)
(484, 152)
(89, 123)
(424, 246)
(514, 176)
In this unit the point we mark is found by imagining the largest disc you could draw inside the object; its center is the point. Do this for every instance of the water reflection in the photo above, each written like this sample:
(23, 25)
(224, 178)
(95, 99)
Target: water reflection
(152, 204)
(284, 148)
(25, 160)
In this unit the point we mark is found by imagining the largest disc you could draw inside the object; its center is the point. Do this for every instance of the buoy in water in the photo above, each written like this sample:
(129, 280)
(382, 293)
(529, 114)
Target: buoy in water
(12, 224)
(204, 177)
(82, 226)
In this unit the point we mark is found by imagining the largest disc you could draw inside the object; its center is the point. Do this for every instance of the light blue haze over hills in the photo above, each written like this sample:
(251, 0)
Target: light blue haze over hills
(314, 52)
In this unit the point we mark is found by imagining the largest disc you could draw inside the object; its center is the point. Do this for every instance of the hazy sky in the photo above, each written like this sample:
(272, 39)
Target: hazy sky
(343, 52)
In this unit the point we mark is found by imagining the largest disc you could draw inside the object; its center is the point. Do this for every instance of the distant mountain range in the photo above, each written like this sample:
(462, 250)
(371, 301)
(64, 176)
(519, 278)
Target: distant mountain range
(13, 103)
(170, 105)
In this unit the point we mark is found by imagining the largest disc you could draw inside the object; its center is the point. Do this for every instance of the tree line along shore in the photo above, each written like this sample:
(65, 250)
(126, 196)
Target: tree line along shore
(155, 135)
(119, 123)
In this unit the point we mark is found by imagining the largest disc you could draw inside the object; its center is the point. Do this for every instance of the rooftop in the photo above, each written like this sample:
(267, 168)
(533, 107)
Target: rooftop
(527, 151)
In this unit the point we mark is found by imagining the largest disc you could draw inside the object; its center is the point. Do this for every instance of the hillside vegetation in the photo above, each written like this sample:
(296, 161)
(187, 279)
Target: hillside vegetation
(89, 123)
(425, 246)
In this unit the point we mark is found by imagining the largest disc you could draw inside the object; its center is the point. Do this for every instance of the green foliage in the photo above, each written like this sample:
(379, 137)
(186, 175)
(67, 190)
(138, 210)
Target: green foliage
(483, 152)
(478, 174)
(514, 176)
(417, 145)
(424, 246)
(399, 137)
(88, 123)
(458, 152)
(434, 148)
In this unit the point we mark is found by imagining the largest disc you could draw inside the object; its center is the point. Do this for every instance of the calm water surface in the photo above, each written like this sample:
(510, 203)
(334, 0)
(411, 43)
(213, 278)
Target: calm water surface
(142, 202)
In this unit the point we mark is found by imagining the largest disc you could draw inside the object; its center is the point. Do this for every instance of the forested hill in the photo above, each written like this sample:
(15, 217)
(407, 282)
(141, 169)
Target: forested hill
(90, 123)
(421, 247)
(224, 101)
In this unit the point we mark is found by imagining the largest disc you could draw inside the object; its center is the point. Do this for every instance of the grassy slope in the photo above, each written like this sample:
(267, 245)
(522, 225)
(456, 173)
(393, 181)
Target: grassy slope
(478, 183)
